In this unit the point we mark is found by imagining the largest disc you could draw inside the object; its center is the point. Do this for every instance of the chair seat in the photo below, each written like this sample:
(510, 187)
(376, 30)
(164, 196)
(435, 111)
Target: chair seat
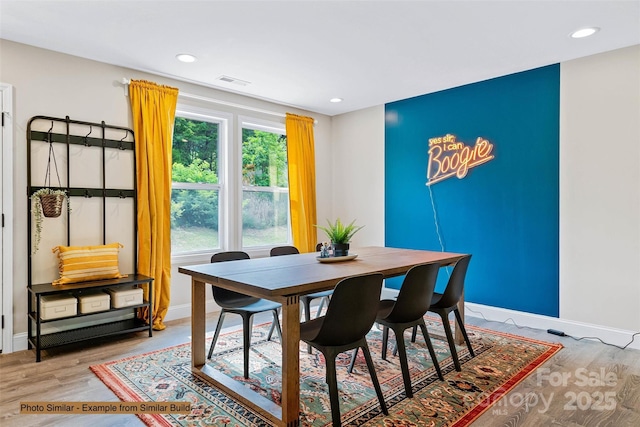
(309, 330)
(318, 294)
(257, 307)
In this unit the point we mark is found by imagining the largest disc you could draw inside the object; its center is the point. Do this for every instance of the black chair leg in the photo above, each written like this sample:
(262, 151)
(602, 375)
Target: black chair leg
(385, 341)
(276, 324)
(414, 332)
(374, 377)
(332, 382)
(404, 364)
(217, 333)
(272, 328)
(246, 320)
(306, 301)
(307, 308)
(353, 360)
(321, 305)
(464, 331)
(452, 343)
(432, 352)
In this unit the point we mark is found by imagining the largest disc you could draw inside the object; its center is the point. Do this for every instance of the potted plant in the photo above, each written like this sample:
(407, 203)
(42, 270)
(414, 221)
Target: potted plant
(47, 202)
(340, 235)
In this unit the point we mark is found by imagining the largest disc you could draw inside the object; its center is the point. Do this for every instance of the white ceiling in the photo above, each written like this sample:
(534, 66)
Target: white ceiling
(302, 53)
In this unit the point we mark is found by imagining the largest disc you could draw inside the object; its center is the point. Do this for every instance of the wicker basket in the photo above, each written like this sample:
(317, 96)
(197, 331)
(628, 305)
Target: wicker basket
(51, 205)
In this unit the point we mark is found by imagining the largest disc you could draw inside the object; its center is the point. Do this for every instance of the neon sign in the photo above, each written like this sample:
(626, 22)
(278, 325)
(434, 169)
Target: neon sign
(449, 157)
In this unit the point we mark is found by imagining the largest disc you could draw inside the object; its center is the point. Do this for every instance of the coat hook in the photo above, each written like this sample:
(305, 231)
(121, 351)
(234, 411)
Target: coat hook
(86, 142)
(121, 195)
(120, 145)
(87, 193)
(49, 133)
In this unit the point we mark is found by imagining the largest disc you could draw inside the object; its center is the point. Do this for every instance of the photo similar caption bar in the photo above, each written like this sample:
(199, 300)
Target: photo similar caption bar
(105, 408)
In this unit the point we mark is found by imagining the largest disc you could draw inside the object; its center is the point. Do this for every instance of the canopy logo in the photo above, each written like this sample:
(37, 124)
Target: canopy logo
(449, 157)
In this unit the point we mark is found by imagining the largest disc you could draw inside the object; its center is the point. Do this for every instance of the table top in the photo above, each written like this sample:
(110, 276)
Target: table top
(302, 274)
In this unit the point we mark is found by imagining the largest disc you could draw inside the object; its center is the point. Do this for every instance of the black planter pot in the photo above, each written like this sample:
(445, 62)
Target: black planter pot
(340, 249)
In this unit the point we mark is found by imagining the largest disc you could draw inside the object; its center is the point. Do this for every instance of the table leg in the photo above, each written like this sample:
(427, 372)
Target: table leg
(198, 322)
(291, 361)
(458, 337)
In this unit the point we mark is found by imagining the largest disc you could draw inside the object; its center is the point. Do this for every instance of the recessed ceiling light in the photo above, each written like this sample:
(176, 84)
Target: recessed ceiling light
(584, 32)
(185, 57)
(335, 100)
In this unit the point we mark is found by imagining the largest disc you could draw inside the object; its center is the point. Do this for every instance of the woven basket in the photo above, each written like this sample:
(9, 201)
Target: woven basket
(51, 205)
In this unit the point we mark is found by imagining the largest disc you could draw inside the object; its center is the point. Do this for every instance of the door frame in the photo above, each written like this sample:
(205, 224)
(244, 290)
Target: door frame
(7, 211)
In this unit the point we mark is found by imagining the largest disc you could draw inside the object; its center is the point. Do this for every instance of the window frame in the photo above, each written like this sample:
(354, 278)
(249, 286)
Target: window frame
(225, 134)
(229, 186)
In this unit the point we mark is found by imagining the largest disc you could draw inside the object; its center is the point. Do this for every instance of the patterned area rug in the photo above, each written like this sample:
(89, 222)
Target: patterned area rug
(501, 362)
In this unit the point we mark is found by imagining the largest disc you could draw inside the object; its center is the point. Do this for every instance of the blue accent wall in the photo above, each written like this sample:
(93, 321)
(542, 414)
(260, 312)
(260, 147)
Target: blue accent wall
(504, 212)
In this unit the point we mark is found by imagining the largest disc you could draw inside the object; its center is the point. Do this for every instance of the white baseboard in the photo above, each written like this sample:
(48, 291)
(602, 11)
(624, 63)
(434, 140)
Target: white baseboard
(576, 329)
(20, 341)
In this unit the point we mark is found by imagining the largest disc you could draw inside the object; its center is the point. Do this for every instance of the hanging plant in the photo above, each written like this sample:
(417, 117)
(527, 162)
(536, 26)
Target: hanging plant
(47, 202)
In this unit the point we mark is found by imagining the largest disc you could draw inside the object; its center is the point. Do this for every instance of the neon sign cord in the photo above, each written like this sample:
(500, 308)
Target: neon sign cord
(437, 224)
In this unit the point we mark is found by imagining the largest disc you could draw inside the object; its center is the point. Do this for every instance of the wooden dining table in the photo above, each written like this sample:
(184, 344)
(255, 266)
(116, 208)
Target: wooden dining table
(284, 279)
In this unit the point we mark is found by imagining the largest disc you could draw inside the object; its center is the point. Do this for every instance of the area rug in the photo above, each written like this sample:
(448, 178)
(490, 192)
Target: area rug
(501, 362)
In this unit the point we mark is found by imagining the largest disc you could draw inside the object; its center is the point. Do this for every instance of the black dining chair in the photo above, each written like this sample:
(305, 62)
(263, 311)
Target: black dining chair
(408, 311)
(446, 302)
(305, 300)
(244, 305)
(349, 317)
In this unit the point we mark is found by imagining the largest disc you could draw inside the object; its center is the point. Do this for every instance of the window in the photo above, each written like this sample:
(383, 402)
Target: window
(228, 192)
(265, 194)
(195, 194)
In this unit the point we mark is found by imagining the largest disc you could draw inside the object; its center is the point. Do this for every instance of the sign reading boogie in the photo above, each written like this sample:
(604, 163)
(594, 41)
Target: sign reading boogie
(448, 157)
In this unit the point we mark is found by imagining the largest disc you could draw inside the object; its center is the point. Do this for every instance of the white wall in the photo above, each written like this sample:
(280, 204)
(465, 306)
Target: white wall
(358, 173)
(600, 189)
(54, 84)
(599, 194)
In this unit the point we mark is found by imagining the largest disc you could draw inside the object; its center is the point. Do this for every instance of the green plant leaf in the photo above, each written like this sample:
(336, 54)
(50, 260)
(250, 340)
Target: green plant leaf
(338, 232)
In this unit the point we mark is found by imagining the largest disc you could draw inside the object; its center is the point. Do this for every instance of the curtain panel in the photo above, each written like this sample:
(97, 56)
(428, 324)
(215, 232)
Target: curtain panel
(302, 181)
(153, 107)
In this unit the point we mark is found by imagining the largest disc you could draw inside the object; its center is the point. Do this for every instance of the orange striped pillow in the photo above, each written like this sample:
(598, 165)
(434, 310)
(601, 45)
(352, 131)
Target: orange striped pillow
(86, 263)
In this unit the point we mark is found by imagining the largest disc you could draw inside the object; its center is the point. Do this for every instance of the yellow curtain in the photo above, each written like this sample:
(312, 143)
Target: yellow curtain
(153, 108)
(302, 181)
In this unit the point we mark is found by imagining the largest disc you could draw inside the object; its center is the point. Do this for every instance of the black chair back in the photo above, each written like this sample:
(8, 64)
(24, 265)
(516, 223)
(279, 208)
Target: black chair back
(226, 298)
(352, 310)
(455, 286)
(415, 294)
(229, 256)
(284, 250)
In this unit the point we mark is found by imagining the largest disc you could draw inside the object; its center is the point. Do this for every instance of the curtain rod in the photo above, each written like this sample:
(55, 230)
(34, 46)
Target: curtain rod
(126, 81)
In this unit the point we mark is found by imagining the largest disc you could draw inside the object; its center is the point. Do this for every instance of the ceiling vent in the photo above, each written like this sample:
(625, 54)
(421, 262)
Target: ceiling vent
(233, 80)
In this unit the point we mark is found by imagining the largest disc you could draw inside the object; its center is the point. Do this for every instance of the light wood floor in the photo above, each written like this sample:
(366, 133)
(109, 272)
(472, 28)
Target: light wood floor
(64, 375)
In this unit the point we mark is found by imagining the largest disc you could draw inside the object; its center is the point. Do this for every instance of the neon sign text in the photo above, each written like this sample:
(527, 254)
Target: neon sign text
(449, 157)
